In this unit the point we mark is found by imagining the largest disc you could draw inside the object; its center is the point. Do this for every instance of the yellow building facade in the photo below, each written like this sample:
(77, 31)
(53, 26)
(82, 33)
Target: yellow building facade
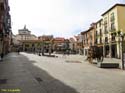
(113, 23)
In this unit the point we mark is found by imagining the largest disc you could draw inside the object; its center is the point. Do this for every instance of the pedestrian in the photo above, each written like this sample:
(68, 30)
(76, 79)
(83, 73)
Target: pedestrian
(1, 56)
(18, 51)
(64, 54)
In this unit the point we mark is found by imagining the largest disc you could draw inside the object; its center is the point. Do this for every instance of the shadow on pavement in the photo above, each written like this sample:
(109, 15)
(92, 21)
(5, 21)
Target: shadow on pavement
(40, 76)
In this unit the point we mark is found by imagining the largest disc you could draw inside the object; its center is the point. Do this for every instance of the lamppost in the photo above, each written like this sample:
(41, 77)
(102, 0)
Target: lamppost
(121, 34)
(82, 46)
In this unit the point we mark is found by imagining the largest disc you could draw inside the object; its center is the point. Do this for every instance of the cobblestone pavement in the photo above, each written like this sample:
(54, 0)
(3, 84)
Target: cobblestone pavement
(37, 74)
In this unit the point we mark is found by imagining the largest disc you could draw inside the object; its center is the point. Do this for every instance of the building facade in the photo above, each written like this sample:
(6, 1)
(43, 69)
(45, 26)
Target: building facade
(45, 37)
(73, 45)
(99, 41)
(105, 33)
(25, 34)
(113, 23)
(58, 44)
(89, 38)
(5, 27)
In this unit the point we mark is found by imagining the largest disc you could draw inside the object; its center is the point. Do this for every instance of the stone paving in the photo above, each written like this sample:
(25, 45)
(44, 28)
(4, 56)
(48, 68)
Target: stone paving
(37, 74)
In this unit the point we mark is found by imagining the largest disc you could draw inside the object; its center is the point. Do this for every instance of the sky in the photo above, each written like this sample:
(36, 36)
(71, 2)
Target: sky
(61, 18)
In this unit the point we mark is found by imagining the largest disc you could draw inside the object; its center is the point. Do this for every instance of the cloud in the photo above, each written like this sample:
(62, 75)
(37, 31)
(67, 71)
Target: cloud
(57, 17)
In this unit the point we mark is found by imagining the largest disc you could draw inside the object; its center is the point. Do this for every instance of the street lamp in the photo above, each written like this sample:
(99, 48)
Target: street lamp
(122, 36)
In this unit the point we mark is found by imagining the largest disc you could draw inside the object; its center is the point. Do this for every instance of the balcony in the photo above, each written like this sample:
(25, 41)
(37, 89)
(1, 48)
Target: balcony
(100, 41)
(100, 34)
(113, 35)
(105, 22)
(106, 39)
(113, 39)
(113, 28)
(106, 32)
(112, 19)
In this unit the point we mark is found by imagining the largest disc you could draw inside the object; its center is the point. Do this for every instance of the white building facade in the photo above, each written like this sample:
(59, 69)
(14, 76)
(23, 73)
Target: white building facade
(25, 34)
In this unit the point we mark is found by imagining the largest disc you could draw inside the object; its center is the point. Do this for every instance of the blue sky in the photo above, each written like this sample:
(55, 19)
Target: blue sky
(63, 18)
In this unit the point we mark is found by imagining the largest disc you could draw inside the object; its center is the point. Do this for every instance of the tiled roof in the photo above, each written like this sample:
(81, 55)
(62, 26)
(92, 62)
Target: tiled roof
(77, 37)
(72, 39)
(59, 39)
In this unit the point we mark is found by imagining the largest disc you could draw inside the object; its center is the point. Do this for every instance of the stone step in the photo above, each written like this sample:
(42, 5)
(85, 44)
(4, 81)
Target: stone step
(108, 65)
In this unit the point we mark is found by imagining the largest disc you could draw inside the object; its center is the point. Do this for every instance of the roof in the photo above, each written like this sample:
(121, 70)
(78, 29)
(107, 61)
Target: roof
(112, 8)
(30, 41)
(45, 36)
(77, 37)
(33, 35)
(84, 32)
(90, 29)
(24, 29)
(59, 38)
(99, 20)
(72, 39)
(87, 30)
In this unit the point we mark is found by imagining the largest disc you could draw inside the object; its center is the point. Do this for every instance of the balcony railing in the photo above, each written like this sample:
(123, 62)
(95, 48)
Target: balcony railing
(113, 35)
(106, 40)
(113, 29)
(112, 19)
(113, 39)
(106, 32)
(105, 22)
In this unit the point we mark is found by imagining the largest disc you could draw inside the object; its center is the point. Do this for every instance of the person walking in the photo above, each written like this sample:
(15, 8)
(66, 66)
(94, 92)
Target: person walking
(1, 56)
(18, 51)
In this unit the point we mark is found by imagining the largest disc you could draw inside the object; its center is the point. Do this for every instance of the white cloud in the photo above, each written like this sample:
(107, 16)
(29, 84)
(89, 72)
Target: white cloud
(57, 17)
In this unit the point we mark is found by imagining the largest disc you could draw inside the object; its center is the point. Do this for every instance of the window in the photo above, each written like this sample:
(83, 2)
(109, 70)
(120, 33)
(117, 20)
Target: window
(100, 32)
(91, 35)
(100, 40)
(96, 33)
(112, 18)
(96, 25)
(112, 26)
(1, 7)
(87, 41)
(105, 29)
(26, 45)
(113, 36)
(96, 41)
(99, 24)
(106, 39)
(105, 21)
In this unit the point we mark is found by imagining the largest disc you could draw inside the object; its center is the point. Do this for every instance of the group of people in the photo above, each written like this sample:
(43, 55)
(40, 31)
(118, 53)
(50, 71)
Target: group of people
(95, 53)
